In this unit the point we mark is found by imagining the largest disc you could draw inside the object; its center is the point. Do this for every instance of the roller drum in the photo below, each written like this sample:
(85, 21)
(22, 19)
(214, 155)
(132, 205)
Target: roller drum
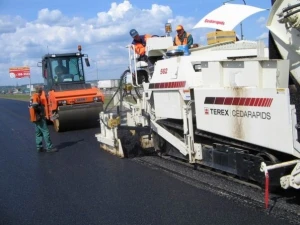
(72, 117)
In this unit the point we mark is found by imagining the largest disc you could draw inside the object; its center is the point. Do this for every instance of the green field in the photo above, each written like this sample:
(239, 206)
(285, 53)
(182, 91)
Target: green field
(22, 97)
(26, 97)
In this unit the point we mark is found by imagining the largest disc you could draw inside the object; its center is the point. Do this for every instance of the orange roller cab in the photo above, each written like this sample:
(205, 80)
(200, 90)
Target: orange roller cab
(70, 102)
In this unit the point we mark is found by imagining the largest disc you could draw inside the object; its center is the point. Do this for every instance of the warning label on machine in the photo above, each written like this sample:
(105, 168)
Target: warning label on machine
(240, 102)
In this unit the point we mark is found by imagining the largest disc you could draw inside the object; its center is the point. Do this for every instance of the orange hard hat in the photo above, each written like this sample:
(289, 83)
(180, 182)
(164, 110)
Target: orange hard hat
(179, 27)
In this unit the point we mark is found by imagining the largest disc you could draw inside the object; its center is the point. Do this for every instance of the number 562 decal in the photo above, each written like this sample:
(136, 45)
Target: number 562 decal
(164, 71)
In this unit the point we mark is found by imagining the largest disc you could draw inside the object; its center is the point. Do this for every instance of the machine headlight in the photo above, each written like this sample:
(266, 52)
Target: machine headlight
(62, 102)
(197, 67)
(97, 99)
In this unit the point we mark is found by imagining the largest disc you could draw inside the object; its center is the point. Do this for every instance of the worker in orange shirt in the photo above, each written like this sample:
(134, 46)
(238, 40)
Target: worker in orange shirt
(37, 116)
(139, 42)
(182, 37)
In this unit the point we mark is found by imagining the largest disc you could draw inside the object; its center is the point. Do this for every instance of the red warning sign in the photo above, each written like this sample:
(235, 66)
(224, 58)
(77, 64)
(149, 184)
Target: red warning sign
(19, 72)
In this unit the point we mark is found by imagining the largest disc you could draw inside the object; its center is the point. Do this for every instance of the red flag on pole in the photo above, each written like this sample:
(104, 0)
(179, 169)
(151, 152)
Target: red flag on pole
(19, 72)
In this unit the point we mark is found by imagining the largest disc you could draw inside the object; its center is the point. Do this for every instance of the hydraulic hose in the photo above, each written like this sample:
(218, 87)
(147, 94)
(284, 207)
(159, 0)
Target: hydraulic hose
(291, 13)
(119, 89)
(138, 93)
(290, 7)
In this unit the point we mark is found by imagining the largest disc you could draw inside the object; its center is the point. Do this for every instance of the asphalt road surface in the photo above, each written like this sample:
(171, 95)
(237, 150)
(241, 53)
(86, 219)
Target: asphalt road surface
(82, 184)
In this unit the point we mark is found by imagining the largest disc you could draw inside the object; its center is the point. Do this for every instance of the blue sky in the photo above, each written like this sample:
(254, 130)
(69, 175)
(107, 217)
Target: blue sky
(101, 27)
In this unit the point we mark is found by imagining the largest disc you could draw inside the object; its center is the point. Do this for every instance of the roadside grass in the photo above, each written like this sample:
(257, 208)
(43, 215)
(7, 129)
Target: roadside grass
(20, 97)
(26, 97)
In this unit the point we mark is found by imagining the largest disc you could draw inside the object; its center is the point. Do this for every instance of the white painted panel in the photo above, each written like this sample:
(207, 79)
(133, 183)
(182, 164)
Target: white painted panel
(168, 104)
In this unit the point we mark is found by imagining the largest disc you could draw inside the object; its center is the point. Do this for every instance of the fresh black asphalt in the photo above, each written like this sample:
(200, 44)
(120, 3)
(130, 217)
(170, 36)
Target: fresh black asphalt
(82, 184)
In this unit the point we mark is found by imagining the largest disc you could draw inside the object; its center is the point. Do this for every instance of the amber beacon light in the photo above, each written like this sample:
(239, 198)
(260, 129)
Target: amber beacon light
(168, 28)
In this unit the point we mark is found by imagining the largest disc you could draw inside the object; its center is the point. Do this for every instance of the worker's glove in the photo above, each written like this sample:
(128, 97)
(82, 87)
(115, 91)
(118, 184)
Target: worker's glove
(143, 58)
(137, 56)
(39, 110)
(38, 117)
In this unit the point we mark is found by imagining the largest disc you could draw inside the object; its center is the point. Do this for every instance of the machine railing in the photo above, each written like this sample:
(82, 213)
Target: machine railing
(132, 64)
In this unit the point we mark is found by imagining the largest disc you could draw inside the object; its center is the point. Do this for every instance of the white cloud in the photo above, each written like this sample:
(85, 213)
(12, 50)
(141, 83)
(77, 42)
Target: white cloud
(264, 35)
(103, 37)
(118, 11)
(9, 24)
(261, 20)
(46, 16)
(159, 10)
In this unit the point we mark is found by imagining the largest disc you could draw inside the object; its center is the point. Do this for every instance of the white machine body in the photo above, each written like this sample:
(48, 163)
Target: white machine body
(229, 90)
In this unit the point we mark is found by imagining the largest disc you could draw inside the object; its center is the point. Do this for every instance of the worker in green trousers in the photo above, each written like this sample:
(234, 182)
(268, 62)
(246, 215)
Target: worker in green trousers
(37, 116)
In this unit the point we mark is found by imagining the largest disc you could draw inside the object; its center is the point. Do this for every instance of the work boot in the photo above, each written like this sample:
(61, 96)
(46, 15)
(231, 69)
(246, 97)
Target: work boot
(40, 149)
(52, 150)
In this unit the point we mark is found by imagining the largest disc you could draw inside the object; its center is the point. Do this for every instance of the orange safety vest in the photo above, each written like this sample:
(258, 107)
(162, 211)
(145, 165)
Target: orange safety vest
(177, 41)
(35, 100)
(140, 47)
